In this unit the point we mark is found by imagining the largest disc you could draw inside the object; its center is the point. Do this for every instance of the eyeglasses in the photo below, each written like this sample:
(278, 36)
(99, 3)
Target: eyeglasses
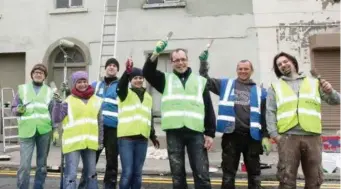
(38, 73)
(180, 60)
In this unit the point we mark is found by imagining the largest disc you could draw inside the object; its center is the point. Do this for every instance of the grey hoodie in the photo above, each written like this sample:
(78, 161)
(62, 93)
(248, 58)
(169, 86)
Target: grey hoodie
(271, 107)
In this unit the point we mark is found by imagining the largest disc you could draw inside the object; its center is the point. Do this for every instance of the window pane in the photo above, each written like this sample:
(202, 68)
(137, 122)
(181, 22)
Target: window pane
(74, 56)
(76, 2)
(62, 4)
(155, 1)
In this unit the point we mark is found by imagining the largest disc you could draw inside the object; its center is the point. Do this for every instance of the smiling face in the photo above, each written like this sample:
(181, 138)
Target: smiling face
(179, 61)
(38, 76)
(82, 85)
(285, 65)
(111, 70)
(244, 70)
(137, 81)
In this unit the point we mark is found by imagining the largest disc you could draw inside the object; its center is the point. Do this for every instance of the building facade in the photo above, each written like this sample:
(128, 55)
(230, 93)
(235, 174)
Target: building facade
(242, 29)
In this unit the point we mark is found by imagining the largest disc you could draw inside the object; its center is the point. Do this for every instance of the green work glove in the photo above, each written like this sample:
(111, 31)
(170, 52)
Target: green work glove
(266, 145)
(55, 136)
(204, 56)
(160, 47)
(21, 109)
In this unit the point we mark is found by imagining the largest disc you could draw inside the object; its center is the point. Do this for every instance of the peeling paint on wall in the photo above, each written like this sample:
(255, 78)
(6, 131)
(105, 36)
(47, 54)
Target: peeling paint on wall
(325, 3)
(294, 37)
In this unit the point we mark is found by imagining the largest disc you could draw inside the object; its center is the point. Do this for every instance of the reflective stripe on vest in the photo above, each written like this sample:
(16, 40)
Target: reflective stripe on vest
(134, 116)
(36, 117)
(183, 106)
(80, 126)
(304, 110)
(109, 106)
(34, 104)
(226, 113)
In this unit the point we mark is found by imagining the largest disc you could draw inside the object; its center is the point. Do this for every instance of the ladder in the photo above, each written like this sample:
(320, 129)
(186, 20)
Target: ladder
(109, 33)
(9, 123)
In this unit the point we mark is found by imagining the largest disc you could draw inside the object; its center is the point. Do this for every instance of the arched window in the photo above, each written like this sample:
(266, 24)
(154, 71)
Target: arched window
(75, 62)
(74, 56)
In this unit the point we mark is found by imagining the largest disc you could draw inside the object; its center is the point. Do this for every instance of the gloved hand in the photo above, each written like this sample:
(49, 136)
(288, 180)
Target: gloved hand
(204, 55)
(57, 97)
(160, 46)
(129, 65)
(55, 136)
(266, 145)
(21, 109)
(156, 143)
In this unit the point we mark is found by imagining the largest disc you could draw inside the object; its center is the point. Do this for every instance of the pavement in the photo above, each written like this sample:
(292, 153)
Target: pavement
(8, 180)
(160, 167)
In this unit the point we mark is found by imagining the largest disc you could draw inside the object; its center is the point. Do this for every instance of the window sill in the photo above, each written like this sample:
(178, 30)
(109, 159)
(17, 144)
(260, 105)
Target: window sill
(164, 5)
(68, 11)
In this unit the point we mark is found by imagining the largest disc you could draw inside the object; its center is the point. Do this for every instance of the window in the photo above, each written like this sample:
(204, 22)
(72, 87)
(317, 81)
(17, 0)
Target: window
(74, 56)
(162, 1)
(150, 4)
(75, 62)
(68, 3)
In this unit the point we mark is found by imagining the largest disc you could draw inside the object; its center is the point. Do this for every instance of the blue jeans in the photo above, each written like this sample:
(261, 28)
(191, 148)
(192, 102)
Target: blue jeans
(132, 155)
(26, 151)
(88, 173)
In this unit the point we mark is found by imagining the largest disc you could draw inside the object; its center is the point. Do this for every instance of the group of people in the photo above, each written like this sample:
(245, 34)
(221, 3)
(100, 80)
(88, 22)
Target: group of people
(116, 114)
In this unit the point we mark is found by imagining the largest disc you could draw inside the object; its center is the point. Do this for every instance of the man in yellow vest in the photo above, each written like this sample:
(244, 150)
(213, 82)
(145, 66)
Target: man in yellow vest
(294, 121)
(187, 116)
(31, 104)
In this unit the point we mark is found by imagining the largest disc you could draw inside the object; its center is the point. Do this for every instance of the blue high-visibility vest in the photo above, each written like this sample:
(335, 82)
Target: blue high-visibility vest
(226, 113)
(109, 106)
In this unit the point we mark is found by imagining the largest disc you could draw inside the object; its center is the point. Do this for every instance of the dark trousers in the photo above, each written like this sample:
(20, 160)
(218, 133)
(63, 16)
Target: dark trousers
(177, 140)
(233, 145)
(293, 149)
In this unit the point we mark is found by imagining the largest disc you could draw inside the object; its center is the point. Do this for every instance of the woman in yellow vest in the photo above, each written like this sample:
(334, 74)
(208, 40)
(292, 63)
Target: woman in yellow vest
(134, 126)
(82, 131)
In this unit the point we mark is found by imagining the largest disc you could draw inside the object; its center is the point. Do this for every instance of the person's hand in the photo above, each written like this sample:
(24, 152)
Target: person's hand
(156, 143)
(55, 136)
(57, 97)
(326, 86)
(160, 46)
(21, 109)
(277, 138)
(129, 65)
(208, 142)
(266, 145)
(203, 56)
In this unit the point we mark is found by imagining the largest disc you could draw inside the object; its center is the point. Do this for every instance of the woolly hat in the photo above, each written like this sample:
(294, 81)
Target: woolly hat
(40, 67)
(77, 76)
(112, 61)
(135, 72)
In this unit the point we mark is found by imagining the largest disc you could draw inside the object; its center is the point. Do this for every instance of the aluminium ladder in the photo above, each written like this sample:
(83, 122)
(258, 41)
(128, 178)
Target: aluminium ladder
(108, 43)
(9, 123)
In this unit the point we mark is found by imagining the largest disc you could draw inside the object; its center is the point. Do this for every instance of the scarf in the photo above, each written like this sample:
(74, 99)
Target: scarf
(83, 94)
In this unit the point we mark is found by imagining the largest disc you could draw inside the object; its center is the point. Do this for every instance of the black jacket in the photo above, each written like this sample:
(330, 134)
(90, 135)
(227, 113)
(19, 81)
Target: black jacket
(158, 80)
(122, 92)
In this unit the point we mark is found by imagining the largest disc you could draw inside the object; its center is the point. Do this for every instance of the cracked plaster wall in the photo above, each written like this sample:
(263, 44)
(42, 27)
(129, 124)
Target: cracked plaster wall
(285, 25)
